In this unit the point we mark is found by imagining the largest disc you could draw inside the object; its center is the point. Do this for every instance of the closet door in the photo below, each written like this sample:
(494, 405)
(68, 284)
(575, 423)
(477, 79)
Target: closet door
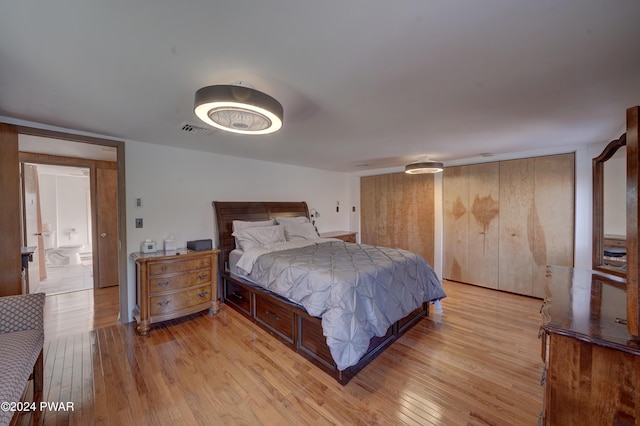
(554, 200)
(376, 205)
(456, 224)
(517, 218)
(413, 213)
(471, 224)
(536, 220)
(368, 217)
(397, 210)
(484, 224)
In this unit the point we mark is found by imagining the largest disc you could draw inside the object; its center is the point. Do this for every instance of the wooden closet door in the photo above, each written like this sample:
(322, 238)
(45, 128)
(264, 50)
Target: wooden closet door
(397, 210)
(517, 218)
(456, 224)
(368, 215)
(553, 222)
(484, 223)
(376, 218)
(413, 213)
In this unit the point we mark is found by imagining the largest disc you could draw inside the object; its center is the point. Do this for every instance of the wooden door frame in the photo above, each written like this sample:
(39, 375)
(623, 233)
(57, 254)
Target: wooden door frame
(92, 165)
(120, 167)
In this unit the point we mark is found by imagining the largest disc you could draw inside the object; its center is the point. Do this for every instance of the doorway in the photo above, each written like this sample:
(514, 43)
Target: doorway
(63, 198)
(58, 212)
(59, 148)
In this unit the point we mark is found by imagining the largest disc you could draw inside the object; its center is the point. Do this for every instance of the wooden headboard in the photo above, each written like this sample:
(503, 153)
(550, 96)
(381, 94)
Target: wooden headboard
(228, 211)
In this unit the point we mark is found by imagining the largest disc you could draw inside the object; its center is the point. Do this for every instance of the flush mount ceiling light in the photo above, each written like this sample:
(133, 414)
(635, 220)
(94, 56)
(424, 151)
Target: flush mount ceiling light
(423, 166)
(238, 109)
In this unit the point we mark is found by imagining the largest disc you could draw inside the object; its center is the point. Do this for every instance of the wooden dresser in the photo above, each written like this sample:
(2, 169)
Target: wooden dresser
(592, 364)
(174, 284)
(346, 236)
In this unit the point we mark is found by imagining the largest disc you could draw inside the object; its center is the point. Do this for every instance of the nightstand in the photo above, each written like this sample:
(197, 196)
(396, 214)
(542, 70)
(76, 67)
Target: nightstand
(346, 236)
(174, 284)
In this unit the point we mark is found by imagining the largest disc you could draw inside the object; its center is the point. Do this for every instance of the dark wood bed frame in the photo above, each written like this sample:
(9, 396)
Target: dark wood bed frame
(288, 322)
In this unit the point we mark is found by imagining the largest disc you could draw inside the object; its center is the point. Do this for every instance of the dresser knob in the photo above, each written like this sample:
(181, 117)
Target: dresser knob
(164, 268)
(163, 284)
(203, 293)
(203, 276)
(164, 303)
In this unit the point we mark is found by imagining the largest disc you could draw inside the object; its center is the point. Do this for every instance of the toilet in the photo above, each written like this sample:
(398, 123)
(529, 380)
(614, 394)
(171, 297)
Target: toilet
(72, 253)
(63, 255)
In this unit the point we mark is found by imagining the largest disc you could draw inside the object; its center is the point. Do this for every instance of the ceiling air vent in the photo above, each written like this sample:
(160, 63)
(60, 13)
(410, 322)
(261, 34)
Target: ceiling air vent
(195, 129)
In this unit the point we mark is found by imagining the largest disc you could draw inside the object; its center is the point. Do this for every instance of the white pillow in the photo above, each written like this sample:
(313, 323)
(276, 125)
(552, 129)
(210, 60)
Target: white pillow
(243, 224)
(300, 231)
(259, 236)
(284, 220)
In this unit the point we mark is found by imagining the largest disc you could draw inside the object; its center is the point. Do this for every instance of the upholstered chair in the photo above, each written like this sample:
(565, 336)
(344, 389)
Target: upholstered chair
(21, 347)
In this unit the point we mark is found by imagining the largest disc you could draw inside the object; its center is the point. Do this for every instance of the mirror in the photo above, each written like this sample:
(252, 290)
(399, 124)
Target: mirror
(609, 209)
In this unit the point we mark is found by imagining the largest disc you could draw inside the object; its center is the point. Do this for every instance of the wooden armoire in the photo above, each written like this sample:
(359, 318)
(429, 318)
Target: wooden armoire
(505, 221)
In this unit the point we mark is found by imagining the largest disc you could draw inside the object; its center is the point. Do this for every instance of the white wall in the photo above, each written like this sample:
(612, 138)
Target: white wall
(177, 187)
(615, 195)
(64, 201)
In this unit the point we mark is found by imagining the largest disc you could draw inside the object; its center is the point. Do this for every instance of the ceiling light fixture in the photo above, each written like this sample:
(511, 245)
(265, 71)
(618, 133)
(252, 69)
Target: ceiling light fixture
(239, 109)
(423, 166)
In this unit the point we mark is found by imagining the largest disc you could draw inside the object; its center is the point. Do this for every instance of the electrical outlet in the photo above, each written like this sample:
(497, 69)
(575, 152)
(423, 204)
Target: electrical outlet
(139, 222)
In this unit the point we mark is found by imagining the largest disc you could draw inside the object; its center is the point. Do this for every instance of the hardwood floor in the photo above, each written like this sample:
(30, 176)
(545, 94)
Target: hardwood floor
(80, 311)
(477, 363)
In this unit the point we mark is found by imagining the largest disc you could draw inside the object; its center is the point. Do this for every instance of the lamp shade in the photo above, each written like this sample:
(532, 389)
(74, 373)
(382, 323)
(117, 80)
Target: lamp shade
(422, 167)
(238, 109)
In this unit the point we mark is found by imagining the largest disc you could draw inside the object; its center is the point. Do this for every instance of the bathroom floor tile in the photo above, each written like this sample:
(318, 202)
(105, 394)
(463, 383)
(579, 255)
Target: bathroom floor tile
(64, 279)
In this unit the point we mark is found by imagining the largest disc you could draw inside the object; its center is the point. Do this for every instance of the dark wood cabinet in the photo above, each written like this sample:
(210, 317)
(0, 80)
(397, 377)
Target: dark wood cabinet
(592, 364)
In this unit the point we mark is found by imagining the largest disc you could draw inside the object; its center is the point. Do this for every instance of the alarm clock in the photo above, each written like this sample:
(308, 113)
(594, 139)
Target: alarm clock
(148, 246)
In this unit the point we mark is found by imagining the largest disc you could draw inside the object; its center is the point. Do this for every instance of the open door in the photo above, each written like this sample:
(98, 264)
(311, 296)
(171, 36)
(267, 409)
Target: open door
(33, 226)
(11, 238)
(107, 227)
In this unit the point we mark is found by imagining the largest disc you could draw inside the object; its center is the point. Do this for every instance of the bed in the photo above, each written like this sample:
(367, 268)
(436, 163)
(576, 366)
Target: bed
(303, 309)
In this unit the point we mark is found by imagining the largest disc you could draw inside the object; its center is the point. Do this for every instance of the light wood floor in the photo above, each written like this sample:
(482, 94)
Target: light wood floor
(477, 363)
(78, 312)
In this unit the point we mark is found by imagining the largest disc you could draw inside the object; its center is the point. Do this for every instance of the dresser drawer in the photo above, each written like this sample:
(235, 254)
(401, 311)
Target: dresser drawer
(238, 296)
(169, 303)
(179, 265)
(276, 318)
(160, 284)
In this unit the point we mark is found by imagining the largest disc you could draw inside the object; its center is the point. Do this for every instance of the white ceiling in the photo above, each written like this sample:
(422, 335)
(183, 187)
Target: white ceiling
(381, 83)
